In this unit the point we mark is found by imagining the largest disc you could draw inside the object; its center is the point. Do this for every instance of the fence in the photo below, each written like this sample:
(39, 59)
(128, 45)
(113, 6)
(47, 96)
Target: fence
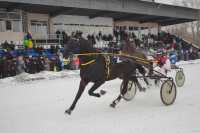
(48, 40)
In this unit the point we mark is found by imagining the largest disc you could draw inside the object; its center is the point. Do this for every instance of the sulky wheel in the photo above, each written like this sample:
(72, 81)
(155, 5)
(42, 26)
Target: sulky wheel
(131, 90)
(180, 78)
(168, 92)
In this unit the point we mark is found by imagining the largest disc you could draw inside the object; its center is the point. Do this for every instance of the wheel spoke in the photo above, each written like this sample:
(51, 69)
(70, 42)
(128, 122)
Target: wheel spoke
(131, 90)
(180, 78)
(168, 92)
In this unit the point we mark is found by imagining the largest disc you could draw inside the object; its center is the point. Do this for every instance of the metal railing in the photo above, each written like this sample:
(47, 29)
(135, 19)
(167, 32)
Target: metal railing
(48, 40)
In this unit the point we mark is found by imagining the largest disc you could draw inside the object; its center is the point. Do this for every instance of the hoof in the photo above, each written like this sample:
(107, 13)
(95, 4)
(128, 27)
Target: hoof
(95, 95)
(68, 112)
(102, 92)
(142, 89)
(112, 105)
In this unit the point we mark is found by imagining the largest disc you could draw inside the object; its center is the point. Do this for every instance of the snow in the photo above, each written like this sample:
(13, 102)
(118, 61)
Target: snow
(38, 105)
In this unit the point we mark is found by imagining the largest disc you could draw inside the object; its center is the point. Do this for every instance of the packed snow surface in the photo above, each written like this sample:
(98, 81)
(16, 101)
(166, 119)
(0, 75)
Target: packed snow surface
(36, 104)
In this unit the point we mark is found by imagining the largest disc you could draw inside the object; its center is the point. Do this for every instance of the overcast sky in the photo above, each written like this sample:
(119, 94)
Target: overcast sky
(180, 3)
(169, 1)
(190, 3)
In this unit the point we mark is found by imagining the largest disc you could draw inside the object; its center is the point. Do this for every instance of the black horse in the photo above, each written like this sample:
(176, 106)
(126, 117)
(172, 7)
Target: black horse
(96, 69)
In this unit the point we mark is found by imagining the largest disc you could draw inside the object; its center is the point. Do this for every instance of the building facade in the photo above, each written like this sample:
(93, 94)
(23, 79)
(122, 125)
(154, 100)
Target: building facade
(11, 27)
(44, 17)
(14, 25)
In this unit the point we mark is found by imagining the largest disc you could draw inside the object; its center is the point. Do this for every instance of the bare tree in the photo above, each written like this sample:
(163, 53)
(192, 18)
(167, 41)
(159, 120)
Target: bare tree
(188, 31)
(195, 26)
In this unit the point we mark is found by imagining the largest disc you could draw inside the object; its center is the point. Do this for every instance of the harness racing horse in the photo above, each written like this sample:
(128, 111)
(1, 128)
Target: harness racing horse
(93, 68)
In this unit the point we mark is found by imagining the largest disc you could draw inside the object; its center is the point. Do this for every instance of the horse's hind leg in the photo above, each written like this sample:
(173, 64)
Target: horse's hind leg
(124, 90)
(116, 101)
(78, 95)
(146, 81)
(143, 72)
(95, 87)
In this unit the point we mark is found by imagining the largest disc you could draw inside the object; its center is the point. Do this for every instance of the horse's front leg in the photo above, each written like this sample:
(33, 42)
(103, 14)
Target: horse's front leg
(78, 95)
(95, 87)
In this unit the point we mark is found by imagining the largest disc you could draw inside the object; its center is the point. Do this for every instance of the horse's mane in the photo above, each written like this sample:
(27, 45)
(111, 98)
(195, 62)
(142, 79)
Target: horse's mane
(86, 47)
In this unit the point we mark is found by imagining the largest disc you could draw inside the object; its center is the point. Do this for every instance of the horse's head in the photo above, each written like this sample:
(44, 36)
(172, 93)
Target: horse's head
(85, 46)
(75, 46)
(78, 46)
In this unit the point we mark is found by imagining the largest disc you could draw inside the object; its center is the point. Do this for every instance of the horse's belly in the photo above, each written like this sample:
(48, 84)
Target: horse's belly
(93, 73)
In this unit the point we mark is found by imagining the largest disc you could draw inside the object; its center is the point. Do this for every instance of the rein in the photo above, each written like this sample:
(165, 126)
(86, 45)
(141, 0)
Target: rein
(88, 63)
(112, 54)
(107, 61)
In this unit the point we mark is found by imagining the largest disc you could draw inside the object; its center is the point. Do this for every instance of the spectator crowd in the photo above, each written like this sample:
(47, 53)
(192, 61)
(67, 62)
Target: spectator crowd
(15, 61)
(37, 59)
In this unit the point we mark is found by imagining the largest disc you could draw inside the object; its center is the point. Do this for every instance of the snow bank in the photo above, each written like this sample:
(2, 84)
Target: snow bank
(49, 75)
(188, 62)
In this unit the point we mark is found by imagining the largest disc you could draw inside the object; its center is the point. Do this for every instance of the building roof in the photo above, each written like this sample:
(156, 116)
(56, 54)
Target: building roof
(135, 10)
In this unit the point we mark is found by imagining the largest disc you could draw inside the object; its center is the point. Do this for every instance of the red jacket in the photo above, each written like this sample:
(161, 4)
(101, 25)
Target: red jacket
(162, 59)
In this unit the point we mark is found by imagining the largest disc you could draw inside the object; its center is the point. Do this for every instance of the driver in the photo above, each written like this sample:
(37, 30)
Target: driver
(163, 62)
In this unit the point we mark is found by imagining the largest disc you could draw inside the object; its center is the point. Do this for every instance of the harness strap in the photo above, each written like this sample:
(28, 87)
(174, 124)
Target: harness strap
(107, 63)
(88, 63)
(145, 61)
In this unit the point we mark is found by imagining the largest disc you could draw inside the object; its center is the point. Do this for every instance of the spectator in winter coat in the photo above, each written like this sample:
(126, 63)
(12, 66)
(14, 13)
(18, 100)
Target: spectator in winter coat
(20, 65)
(12, 45)
(5, 45)
(40, 64)
(47, 64)
(29, 36)
(198, 54)
(1, 67)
